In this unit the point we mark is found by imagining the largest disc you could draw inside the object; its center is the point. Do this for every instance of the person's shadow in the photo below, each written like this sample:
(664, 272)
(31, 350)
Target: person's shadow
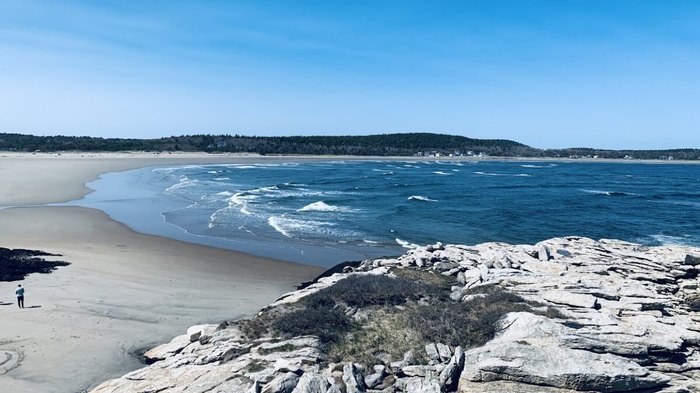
(33, 307)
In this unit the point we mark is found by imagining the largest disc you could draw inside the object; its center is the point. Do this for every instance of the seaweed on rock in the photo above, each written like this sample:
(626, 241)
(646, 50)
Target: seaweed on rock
(16, 264)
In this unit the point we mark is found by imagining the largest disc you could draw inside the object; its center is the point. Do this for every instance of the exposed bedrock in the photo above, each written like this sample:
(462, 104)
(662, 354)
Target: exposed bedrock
(603, 316)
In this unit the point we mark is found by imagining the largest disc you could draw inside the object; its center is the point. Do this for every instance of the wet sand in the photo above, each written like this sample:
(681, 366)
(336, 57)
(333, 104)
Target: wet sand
(123, 290)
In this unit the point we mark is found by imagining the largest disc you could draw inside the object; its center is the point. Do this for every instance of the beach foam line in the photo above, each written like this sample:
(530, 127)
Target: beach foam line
(406, 244)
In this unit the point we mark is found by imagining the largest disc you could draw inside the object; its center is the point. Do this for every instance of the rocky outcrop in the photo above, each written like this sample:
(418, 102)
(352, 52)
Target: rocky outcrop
(615, 317)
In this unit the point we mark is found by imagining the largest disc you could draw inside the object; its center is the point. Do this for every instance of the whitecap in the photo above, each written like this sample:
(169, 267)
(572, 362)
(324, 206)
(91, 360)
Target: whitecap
(321, 206)
(276, 223)
(183, 183)
(421, 198)
(680, 203)
(609, 193)
(405, 244)
(597, 192)
(241, 200)
(286, 226)
(534, 166)
(501, 174)
(441, 173)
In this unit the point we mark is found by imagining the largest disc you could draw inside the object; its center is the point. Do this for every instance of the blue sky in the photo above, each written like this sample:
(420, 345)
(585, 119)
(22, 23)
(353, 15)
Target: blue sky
(608, 74)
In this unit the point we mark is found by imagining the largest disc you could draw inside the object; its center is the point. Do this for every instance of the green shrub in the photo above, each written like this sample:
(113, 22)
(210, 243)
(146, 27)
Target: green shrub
(384, 334)
(468, 324)
(426, 277)
(371, 290)
(281, 348)
(328, 324)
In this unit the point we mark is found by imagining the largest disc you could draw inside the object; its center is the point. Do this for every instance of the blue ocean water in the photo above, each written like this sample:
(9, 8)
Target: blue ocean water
(327, 212)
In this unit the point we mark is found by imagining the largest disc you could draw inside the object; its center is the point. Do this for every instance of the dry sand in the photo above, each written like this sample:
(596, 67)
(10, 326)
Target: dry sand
(123, 290)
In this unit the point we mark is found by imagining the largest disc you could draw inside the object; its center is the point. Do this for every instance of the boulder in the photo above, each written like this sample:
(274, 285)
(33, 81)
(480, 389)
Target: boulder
(284, 383)
(354, 382)
(530, 350)
(432, 351)
(164, 351)
(692, 259)
(312, 382)
(196, 332)
(420, 385)
(571, 299)
(449, 377)
(543, 267)
(444, 352)
(543, 253)
(418, 371)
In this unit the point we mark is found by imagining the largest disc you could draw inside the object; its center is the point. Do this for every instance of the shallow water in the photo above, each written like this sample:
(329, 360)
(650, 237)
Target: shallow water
(327, 212)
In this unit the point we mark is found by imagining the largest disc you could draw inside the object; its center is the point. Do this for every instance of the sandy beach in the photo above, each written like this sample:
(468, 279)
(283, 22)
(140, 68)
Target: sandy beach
(123, 291)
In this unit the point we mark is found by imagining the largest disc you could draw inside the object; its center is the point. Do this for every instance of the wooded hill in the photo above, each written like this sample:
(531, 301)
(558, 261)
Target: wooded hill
(400, 144)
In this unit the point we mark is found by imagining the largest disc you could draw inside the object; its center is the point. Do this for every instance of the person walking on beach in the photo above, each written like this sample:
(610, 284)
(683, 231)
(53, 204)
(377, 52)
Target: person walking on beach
(20, 296)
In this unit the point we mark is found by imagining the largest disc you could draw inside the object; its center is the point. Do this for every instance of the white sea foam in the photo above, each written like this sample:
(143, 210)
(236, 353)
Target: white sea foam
(321, 206)
(276, 222)
(224, 193)
(241, 200)
(421, 198)
(288, 226)
(597, 192)
(183, 183)
(441, 173)
(221, 178)
(680, 203)
(175, 168)
(538, 166)
(673, 240)
(609, 193)
(501, 174)
(405, 244)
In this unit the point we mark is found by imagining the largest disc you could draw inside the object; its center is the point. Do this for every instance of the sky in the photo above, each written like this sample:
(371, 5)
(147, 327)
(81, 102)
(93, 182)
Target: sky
(595, 73)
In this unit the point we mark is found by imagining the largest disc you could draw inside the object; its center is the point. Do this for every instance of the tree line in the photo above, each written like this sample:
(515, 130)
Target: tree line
(397, 144)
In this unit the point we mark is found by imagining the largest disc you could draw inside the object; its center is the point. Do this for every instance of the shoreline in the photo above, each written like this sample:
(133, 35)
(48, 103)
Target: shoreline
(82, 166)
(123, 290)
(77, 313)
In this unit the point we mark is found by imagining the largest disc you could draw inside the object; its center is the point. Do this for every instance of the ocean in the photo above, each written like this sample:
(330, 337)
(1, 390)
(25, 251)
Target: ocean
(327, 212)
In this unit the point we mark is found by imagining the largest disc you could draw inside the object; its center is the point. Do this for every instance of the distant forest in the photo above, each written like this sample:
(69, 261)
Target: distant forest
(403, 144)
